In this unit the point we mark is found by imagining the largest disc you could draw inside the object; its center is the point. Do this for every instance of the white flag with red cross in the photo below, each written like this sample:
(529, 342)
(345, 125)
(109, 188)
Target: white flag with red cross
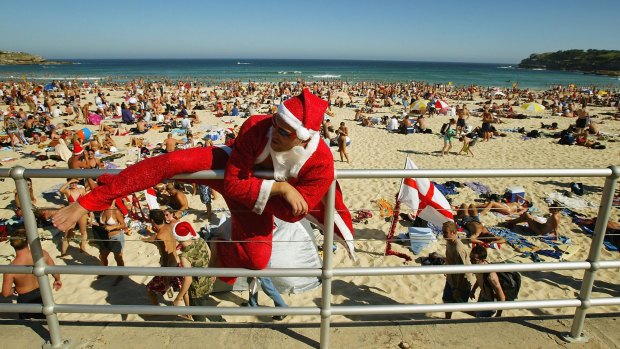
(424, 199)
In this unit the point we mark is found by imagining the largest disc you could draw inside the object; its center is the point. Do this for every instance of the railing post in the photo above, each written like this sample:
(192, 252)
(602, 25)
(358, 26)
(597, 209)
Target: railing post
(30, 224)
(327, 276)
(576, 334)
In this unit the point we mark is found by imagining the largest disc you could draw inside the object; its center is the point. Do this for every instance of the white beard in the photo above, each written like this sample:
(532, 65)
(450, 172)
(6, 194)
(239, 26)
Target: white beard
(284, 161)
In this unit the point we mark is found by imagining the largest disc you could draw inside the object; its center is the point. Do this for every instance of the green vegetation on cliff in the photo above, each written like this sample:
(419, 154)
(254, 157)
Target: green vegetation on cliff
(19, 58)
(605, 62)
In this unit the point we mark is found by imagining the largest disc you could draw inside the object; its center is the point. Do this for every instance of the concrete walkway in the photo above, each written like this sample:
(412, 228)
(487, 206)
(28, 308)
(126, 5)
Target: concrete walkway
(603, 331)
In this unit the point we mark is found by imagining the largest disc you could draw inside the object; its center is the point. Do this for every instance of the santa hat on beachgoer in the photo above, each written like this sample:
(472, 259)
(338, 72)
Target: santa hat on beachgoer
(184, 231)
(77, 148)
(304, 113)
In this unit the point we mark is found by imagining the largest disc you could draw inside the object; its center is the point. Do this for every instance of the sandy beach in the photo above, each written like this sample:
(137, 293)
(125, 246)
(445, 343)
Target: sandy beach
(371, 148)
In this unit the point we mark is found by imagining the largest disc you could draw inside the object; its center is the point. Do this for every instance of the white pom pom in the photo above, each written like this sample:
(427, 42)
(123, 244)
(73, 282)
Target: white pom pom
(303, 133)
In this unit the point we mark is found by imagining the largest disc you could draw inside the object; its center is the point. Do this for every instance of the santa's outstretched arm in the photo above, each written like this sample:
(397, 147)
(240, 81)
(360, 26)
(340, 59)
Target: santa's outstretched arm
(140, 176)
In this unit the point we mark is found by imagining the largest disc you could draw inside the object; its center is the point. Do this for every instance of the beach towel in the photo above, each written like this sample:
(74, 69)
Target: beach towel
(110, 166)
(478, 188)
(445, 190)
(62, 150)
(574, 203)
(518, 242)
(94, 119)
(419, 238)
(589, 230)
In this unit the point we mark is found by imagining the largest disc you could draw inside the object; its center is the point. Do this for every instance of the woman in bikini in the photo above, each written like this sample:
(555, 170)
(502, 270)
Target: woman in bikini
(343, 133)
(110, 235)
(505, 208)
(72, 192)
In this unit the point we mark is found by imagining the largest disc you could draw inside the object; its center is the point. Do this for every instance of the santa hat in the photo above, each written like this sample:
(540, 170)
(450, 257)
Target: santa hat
(183, 231)
(77, 148)
(304, 113)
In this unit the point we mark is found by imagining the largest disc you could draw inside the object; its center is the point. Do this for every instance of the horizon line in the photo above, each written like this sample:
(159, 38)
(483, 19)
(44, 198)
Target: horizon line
(282, 59)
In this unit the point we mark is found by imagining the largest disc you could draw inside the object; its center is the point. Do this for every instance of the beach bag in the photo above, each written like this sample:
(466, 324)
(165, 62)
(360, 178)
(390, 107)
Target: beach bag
(510, 282)
(444, 128)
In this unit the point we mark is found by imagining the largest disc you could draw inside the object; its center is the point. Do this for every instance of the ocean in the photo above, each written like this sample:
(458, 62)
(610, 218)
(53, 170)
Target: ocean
(260, 70)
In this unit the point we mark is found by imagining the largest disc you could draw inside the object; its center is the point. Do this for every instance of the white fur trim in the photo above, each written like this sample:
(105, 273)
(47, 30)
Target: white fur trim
(263, 196)
(346, 235)
(348, 243)
(302, 133)
(309, 150)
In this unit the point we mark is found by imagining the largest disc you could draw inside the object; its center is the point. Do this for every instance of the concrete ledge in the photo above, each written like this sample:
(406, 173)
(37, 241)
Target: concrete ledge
(518, 332)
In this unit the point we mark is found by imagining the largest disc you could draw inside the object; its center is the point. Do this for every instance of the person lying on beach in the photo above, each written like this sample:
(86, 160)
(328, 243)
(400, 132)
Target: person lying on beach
(505, 208)
(547, 228)
(478, 234)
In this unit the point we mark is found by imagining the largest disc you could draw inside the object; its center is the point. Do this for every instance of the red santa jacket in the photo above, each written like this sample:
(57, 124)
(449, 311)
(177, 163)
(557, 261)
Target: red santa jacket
(251, 208)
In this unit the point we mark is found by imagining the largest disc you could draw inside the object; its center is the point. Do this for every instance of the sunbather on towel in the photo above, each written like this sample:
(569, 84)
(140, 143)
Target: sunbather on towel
(468, 218)
(506, 208)
(548, 228)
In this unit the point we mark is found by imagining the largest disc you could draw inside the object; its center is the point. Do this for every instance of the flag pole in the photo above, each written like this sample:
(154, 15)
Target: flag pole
(390, 237)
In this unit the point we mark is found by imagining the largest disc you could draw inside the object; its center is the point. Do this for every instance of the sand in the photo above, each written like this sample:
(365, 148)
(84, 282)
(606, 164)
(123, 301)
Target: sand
(371, 148)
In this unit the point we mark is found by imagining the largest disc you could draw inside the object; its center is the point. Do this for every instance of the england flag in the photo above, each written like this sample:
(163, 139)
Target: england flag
(425, 201)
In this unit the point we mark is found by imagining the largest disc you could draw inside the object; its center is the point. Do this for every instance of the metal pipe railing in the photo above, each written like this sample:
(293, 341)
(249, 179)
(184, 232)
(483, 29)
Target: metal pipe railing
(594, 255)
(326, 310)
(17, 173)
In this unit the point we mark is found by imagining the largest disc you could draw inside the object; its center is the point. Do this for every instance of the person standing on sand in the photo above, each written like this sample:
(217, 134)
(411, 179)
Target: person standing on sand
(73, 192)
(26, 286)
(463, 115)
(449, 133)
(194, 253)
(490, 287)
(457, 287)
(110, 237)
(166, 244)
(343, 135)
(487, 119)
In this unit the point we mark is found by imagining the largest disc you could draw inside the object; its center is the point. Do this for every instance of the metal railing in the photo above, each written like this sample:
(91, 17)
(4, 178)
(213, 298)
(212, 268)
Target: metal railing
(326, 310)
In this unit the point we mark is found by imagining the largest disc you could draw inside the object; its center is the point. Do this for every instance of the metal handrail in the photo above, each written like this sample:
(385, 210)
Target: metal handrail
(327, 272)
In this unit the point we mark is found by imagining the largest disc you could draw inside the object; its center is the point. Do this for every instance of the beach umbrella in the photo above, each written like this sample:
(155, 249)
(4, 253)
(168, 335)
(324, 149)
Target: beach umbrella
(602, 93)
(439, 104)
(419, 105)
(535, 107)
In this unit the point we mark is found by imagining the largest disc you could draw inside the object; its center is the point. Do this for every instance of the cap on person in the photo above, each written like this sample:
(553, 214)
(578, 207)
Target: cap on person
(303, 113)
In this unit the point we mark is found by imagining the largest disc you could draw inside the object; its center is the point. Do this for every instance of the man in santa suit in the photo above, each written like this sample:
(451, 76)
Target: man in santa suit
(287, 142)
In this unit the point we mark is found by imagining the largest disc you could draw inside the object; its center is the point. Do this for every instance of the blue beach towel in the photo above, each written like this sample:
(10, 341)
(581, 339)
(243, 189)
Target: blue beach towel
(419, 238)
(515, 240)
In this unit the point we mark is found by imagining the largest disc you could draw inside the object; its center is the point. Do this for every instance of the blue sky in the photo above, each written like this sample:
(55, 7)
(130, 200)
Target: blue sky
(453, 31)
